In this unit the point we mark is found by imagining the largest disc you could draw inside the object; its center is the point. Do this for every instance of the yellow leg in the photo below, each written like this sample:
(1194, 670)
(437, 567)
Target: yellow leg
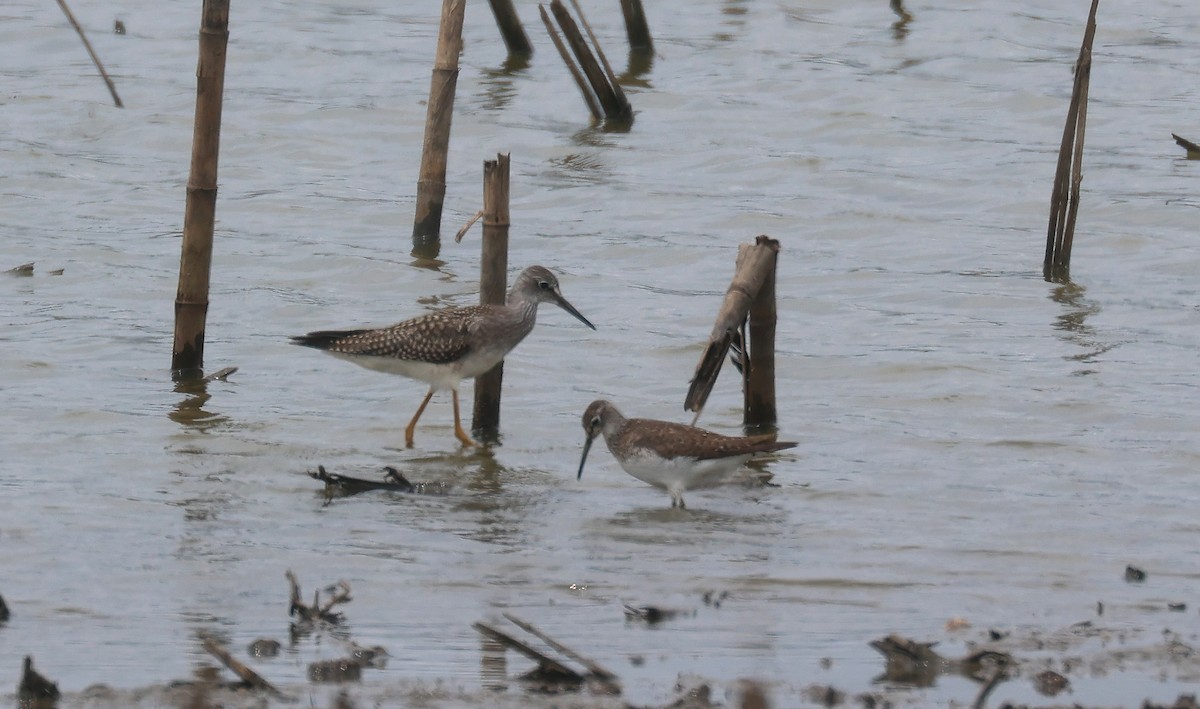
(459, 433)
(412, 425)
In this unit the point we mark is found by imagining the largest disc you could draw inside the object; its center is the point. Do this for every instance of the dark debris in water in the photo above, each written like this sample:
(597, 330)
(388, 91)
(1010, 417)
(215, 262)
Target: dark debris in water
(652, 615)
(337, 485)
(36, 691)
(1134, 575)
(339, 593)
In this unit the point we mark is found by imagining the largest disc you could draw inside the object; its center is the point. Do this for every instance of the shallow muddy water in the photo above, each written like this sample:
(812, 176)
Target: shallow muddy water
(975, 443)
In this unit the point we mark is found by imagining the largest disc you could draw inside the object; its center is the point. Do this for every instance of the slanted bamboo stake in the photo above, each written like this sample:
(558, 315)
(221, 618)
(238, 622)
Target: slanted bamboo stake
(431, 185)
(195, 264)
(636, 27)
(493, 284)
(588, 96)
(591, 665)
(624, 112)
(510, 27)
(755, 263)
(1064, 199)
(112, 88)
(758, 376)
(612, 100)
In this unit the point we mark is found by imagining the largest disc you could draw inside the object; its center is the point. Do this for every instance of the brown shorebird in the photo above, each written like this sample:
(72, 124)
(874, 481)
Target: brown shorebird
(446, 346)
(672, 456)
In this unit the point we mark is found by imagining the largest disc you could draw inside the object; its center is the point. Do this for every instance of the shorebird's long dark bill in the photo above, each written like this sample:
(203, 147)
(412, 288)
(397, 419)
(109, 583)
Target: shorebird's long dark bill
(562, 303)
(587, 446)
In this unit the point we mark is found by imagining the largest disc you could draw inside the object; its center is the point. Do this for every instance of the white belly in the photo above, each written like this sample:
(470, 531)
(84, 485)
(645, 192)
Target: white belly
(437, 376)
(679, 474)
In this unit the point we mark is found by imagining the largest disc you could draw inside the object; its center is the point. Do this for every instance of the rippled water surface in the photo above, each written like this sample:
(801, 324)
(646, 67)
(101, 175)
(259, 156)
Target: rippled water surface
(974, 442)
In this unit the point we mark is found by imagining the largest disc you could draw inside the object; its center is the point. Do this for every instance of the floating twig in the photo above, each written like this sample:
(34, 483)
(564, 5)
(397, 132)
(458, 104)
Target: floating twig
(593, 667)
(545, 662)
(249, 677)
(220, 375)
(344, 485)
(112, 89)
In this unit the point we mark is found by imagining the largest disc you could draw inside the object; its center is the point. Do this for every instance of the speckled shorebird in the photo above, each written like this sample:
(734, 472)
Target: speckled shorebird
(446, 346)
(672, 456)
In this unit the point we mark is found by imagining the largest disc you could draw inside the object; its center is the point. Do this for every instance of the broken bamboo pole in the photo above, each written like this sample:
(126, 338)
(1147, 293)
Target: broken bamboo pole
(758, 374)
(112, 88)
(195, 264)
(493, 285)
(1064, 198)
(511, 28)
(636, 27)
(431, 184)
(755, 266)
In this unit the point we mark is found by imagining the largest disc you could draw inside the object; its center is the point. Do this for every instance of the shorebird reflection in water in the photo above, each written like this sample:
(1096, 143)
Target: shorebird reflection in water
(671, 456)
(446, 346)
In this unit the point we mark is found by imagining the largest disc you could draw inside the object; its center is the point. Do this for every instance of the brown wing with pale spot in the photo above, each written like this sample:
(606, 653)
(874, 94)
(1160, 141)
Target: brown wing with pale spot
(673, 440)
(438, 338)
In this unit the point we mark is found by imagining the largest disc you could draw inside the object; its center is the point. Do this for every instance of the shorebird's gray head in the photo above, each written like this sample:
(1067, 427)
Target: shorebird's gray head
(600, 415)
(539, 285)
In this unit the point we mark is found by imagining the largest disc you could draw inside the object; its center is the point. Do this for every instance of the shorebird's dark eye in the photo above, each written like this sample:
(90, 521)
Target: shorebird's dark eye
(595, 422)
(544, 285)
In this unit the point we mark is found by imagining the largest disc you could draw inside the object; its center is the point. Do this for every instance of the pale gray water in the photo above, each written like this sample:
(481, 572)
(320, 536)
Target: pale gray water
(975, 442)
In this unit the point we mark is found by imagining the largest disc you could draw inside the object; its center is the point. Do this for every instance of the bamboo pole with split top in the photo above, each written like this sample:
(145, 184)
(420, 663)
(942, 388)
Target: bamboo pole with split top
(493, 286)
(758, 372)
(511, 29)
(753, 279)
(195, 264)
(1064, 198)
(431, 184)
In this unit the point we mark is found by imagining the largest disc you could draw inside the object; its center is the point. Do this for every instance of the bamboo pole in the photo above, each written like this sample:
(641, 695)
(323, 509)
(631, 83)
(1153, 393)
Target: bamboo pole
(511, 29)
(431, 184)
(601, 80)
(493, 285)
(191, 300)
(624, 111)
(112, 88)
(755, 263)
(589, 97)
(758, 375)
(1064, 198)
(636, 27)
